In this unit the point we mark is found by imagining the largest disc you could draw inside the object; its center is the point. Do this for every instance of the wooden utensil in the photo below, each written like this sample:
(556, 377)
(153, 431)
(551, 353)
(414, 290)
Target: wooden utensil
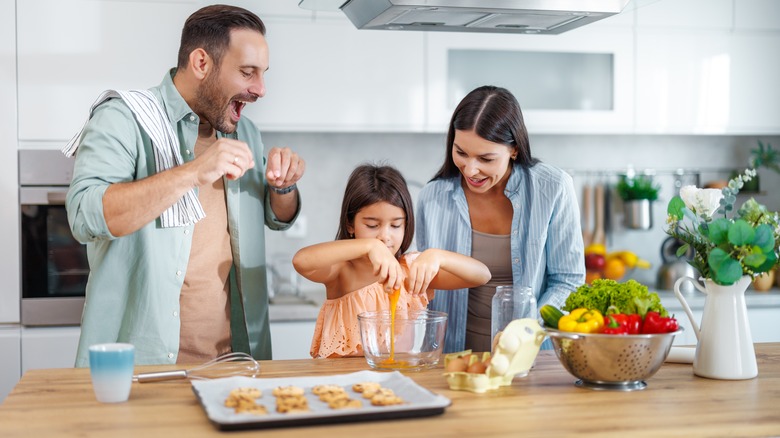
(599, 235)
(587, 199)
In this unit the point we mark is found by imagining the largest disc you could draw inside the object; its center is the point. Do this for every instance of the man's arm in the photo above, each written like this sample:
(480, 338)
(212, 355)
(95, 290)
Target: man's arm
(129, 206)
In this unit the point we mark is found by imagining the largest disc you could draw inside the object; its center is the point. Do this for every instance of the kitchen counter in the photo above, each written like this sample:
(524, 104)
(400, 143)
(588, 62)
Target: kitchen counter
(60, 402)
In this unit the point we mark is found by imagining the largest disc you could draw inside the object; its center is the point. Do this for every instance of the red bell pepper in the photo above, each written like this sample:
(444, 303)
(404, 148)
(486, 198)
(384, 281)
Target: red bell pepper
(631, 323)
(654, 323)
(634, 324)
(614, 325)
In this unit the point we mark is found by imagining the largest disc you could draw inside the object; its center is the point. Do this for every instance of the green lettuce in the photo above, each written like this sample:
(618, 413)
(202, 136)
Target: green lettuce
(609, 296)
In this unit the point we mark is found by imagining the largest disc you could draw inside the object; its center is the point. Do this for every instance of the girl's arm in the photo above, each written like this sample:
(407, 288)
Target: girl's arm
(325, 262)
(440, 269)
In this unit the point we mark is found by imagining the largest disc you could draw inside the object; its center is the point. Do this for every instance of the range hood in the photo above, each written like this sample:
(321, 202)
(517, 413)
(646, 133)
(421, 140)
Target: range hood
(497, 16)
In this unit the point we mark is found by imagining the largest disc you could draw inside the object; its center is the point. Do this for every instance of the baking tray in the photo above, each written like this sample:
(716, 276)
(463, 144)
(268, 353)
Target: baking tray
(419, 402)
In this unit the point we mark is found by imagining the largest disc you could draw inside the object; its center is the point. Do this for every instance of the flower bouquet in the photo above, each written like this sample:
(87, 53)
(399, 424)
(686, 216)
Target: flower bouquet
(732, 244)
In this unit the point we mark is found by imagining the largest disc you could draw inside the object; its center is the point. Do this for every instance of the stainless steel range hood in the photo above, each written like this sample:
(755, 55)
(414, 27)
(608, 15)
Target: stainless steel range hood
(497, 16)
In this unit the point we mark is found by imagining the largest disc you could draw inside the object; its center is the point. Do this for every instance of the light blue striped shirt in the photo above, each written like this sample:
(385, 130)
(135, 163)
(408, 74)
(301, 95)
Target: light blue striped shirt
(547, 249)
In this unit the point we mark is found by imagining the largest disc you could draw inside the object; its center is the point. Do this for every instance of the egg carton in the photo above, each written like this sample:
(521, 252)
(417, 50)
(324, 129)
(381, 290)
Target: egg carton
(513, 354)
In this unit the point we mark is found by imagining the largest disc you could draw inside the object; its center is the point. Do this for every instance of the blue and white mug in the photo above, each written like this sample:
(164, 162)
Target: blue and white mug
(111, 368)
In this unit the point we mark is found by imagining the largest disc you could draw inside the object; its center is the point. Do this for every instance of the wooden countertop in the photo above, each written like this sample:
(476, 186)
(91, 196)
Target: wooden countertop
(60, 402)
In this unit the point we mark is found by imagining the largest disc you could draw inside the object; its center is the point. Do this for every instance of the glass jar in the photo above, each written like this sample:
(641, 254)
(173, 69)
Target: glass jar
(511, 303)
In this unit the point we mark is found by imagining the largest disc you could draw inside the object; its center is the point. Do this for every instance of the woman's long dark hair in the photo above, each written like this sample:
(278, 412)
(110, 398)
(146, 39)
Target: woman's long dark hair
(494, 114)
(369, 184)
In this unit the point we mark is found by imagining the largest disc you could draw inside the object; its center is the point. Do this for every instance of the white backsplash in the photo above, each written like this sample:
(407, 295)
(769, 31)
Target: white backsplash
(330, 157)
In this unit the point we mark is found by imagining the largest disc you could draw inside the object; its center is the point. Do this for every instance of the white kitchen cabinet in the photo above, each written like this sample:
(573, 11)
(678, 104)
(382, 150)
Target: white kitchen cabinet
(689, 14)
(10, 364)
(616, 41)
(49, 347)
(707, 82)
(291, 339)
(9, 170)
(78, 48)
(269, 8)
(754, 85)
(328, 76)
(758, 15)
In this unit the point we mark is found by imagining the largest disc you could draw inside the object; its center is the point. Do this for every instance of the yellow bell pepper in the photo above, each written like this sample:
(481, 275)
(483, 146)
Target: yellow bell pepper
(581, 320)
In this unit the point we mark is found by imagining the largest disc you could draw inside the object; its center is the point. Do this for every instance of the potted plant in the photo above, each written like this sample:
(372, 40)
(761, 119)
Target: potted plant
(762, 156)
(638, 193)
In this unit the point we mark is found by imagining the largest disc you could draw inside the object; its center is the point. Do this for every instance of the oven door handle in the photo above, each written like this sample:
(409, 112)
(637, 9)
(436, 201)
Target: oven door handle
(56, 197)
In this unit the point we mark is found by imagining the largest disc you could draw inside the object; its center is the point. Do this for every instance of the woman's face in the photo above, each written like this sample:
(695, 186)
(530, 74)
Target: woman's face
(382, 221)
(483, 164)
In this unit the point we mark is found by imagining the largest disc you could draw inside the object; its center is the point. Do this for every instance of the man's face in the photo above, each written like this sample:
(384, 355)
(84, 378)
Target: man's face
(239, 80)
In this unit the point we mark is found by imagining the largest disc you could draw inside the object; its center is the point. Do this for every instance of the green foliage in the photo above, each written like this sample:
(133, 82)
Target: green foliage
(765, 156)
(609, 296)
(727, 248)
(637, 187)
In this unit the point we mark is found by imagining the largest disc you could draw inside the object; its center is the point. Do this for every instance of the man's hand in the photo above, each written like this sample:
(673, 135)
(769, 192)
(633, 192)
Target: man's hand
(226, 157)
(284, 167)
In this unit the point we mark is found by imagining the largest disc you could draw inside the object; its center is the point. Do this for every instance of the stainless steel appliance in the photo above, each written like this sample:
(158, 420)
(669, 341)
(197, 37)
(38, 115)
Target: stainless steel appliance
(54, 265)
(502, 16)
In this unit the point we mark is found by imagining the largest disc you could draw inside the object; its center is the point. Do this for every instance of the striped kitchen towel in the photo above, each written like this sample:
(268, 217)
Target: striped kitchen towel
(152, 119)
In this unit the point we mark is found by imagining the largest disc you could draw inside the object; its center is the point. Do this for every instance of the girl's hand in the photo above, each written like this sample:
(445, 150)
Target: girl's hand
(422, 270)
(386, 267)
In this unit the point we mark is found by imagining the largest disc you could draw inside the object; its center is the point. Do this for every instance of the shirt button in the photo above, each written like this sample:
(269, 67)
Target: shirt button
(175, 313)
(514, 232)
(186, 232)
(188, 152)
(170, 355)
(516, 261)
(178, 273)
(192, 117)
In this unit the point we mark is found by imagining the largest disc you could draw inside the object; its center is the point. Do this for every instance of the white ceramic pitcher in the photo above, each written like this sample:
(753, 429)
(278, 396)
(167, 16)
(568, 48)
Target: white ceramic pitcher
(725, 347)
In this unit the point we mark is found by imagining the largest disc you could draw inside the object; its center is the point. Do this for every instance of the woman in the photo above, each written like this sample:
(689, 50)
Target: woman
(493, 201)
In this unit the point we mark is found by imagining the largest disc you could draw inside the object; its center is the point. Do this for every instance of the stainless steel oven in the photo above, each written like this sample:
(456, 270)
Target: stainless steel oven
(54, 265)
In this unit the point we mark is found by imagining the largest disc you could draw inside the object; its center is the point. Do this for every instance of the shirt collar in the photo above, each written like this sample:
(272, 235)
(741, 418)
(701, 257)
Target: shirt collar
(175, 105)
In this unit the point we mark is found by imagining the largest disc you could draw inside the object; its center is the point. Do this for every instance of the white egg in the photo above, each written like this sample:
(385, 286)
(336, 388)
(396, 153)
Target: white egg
(509, 342)
(499, 364)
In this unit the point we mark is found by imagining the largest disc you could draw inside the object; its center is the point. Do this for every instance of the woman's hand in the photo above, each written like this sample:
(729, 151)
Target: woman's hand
(386, 267)
(422, 270)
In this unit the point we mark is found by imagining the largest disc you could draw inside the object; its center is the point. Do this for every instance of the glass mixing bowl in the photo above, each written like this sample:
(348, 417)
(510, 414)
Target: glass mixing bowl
(418, 340)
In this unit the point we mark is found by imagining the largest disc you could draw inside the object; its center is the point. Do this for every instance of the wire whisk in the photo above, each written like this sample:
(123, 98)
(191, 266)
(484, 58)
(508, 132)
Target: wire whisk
(232, 364)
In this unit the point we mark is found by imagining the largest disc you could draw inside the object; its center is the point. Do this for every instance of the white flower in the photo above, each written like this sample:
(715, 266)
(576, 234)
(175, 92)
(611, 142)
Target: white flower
(703, 202)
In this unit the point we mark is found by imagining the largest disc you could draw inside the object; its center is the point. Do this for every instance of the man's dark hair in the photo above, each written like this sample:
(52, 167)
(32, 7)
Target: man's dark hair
(209, 28)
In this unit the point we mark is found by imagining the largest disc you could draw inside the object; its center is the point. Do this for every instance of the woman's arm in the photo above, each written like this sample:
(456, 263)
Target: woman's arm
(565, 270)
(324, 262)
(440, 269)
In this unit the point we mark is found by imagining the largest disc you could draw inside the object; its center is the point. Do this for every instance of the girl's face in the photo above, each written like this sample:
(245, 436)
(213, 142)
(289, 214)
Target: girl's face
(382, 221)
(482, 163)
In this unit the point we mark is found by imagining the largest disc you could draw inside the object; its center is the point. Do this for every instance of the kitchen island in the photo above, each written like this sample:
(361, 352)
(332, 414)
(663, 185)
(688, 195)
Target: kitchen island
(60, 403)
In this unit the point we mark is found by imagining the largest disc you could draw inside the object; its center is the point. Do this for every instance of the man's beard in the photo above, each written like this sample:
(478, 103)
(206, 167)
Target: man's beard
(209, 100)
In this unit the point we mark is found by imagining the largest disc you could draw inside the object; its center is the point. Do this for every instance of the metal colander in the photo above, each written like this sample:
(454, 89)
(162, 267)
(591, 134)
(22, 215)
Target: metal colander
(620, 362)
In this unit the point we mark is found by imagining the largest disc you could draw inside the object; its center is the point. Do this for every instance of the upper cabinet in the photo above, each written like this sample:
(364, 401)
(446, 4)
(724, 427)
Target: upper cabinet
(78, 48)
(715, 77)
(329, 76)
(661, 66)
(579, 81)
(685, 14)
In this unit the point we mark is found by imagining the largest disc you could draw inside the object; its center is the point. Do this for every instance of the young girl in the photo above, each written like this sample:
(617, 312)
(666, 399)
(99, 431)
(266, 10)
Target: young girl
(366, 262)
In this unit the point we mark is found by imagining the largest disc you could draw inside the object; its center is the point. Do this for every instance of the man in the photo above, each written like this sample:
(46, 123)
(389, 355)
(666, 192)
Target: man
(170, 195)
